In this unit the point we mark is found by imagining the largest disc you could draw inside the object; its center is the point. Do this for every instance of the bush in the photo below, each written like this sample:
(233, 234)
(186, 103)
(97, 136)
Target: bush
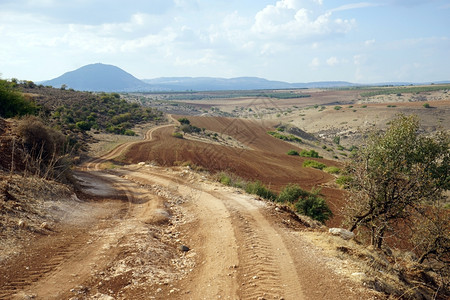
(314, 164)
(177, 135)
(83, 125)
(12, 103)
(292, 152)
(289, 138)
(258, 188)
(344, 181)
(231, 180)
(427, 105)
(332, 170)
(337, 140)
(310, 153)
(291, 193)
(184, 121)
(186, 128)
(46, 149)
(314, 207)
(129, 132)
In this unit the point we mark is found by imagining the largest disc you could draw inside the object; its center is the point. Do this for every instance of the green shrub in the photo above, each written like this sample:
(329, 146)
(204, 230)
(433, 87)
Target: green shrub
(289, 138)
(427, 105)
(13, 103)
(293, 152)
(184, 121)
(314, 164)
(337, 107)
(177, 135)
(337, 140)
(332, 170)
(291, 193)
(129, 132)
(344, 181)
(310, 153)
(258, 188)
(83, 125)
(230, 179)
(225, 179)
(314, 207)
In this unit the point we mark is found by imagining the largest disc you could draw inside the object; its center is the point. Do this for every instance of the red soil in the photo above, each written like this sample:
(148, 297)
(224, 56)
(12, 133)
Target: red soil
(267, 160)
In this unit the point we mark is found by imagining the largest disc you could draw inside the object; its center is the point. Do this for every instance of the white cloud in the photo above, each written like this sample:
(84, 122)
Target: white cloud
(332, 61)
(355, 6)
(369, 42)
(291, 20)
(314, 63)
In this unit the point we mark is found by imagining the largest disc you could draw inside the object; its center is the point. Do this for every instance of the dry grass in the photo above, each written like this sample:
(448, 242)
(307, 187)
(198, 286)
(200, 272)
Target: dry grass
(394, 273)
(28, 205)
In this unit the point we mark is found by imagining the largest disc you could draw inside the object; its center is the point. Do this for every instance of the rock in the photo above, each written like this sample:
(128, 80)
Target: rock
(184, 248)
(45, 225)
(141, 163)
(22, 223)
(100, 296)
(343, 233)
(359, 275)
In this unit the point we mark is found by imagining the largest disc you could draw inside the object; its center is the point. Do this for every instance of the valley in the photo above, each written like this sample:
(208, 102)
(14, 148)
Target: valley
(150, 219)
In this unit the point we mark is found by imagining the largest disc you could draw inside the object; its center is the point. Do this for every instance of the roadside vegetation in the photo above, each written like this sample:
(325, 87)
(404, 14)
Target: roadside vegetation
(310, 204)
(397, 183)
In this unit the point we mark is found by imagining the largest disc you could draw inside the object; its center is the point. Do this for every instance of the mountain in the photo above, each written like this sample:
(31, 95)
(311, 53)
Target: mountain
(99, 78)
(108, 78)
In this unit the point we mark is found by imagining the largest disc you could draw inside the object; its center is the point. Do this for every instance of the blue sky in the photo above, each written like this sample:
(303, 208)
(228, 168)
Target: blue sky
(288, 40)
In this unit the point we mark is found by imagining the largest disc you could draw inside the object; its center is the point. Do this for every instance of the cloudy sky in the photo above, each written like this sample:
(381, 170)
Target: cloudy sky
(288, 40)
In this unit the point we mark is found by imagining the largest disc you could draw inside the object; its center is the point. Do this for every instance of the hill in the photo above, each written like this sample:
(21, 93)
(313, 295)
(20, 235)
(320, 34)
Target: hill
(99, 78)
(108, 78)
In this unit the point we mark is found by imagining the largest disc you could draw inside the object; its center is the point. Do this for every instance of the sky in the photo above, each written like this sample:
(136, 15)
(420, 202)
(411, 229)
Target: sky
(286, 40)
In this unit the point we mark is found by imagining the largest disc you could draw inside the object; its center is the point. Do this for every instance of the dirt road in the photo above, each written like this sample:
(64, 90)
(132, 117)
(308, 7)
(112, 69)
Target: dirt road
(146, 232)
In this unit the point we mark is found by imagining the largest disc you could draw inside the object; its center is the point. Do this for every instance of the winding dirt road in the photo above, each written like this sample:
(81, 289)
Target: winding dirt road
(146, 232)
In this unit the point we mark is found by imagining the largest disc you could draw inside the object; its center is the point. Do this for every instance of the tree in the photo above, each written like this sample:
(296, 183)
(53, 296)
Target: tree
(395, 173)
(184, 121)
(13, 103)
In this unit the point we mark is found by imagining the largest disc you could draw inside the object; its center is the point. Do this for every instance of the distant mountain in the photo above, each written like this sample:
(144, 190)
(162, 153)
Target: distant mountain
(99, 78)
(108, 78)
(239, 83)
